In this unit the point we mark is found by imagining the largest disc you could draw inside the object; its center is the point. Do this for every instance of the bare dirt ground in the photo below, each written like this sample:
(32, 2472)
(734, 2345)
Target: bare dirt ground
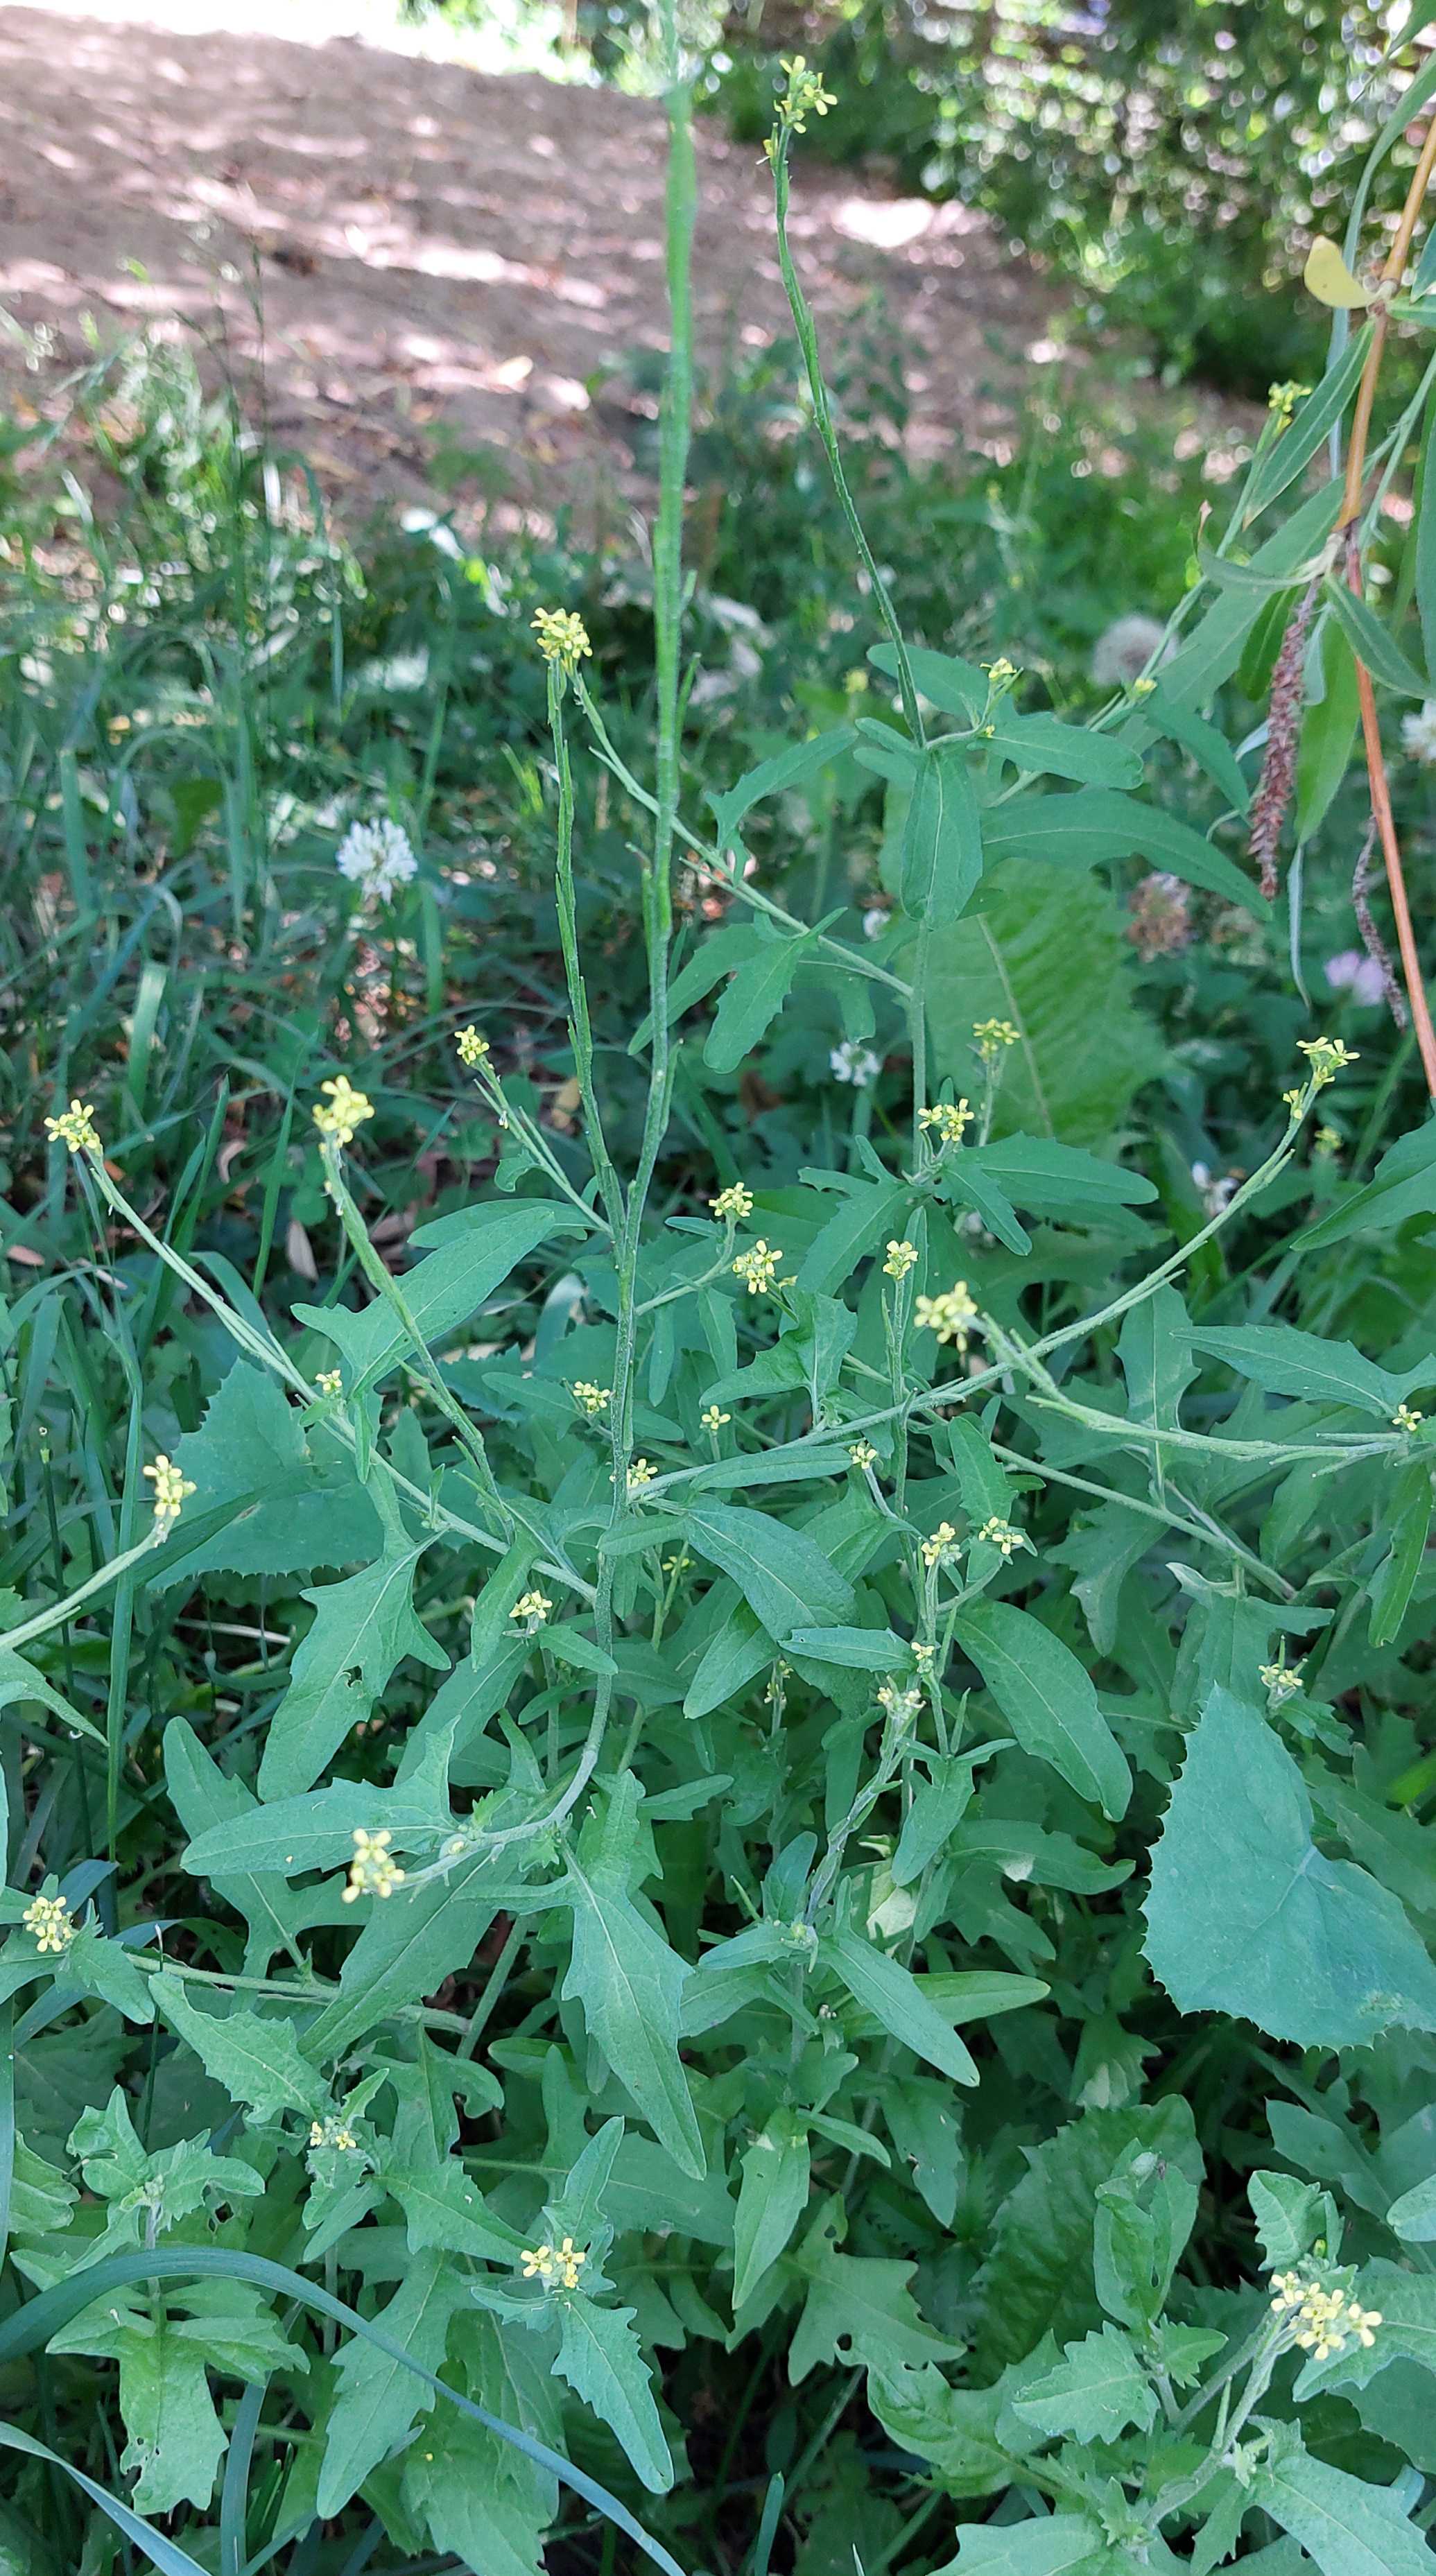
(400, 246)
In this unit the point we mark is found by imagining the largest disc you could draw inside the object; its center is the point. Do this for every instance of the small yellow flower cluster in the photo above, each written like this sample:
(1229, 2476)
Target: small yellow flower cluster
(1283, 400)
(472, 1049)
(371, 1871)
(1407, 1417)
(531, 1611)
(48, 1917)
(733, 1203)
(592, 1399)
(345, 1110)
(1002, 673)
(1280, 1681)
(941, 1547)
(330, 1381)
(557, 2266)
(1143, 687)
(640, 1474)
(1001, 1534)
(901, 1706)
(712, 1419)
(170, 1491)
(951, 1314)
(1326, 1142)
(562, 638)
(804, 96)
(333, 2132)
(1327, 1057)
(758, 1268)
(901, 1258)
(1326, 2321)
(75, 1127)
(994, 1037)
(949, 1118)
(863, 1455)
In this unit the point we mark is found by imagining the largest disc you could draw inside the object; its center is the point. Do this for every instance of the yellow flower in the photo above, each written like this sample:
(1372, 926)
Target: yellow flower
(1406, 1417)
(804, 96)
(759, 1268)
(993, 1037)
(48, 1917)
(531, 1611)
(593, 1399)
(330, 1381)
(1001, 1534)
(901, 1257)
(639, 1475)
(734, 1202)
(899, 1704)
(1283, 399)
(1327, 1058)
(562, 638)
(538, 2263)
(371, 1871)
(712, 1419)
(557, 2266)
(75, 1127)
(1294, 1101)
(863, 1454)
(171, 1489)
(345, 1110)
(571, 2261)
(1002, 673)
(1143, 687)
(949, 1118)
(473, 1050)
(950, 1314)
(1320, 2319)
(1282, 1681)
(939, 1549)
(333, 2132)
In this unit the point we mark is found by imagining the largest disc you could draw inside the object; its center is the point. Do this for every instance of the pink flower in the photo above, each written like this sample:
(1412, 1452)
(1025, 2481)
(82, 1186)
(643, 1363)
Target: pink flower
(1351, 971)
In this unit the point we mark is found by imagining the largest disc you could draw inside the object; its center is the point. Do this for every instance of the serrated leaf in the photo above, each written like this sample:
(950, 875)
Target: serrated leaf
(285, 1507)
(752, 1000)
(627, 1979)
(255, 2058)
(600, 2357)
(1048, 1700)
(362, 1630)
(1093, 2394)
(1246, 1916)
(377, 2399)
(1348, 2527)
(857, 2309)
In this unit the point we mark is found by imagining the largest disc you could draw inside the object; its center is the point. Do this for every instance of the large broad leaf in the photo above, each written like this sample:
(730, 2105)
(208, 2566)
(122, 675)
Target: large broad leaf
(859, 2308)
(264, 1501)
(377, 2399)
(1245, 1916)
(627, 1979)
(782, 1574)
(210, 1805)
(958, 687)
(1046, 951)
(942, 838)
(1348, 2527)
(1044, 744)
(887, 1990)
(1047, 1699)
(1097, 824)
(599, 2356)
(1094, 2393)
(256, 2058)
(754, 998)
(362, 1631)
(1286, 1362)
(1045, 2545)
(470, 1254)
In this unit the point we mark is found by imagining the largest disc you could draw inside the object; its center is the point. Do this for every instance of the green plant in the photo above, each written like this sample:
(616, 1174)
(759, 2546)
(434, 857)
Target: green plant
(839, 1865)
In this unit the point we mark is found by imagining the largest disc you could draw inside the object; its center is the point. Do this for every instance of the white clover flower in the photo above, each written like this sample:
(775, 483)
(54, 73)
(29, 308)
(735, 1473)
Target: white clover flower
(1418, 735)
(376, 857)
(856, 1064)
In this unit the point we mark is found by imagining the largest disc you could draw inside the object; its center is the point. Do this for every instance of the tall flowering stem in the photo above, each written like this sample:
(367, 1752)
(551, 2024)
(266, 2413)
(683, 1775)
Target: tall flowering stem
(1381, 814)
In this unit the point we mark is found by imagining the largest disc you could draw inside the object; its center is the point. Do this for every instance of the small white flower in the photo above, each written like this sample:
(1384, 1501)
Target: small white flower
(1123, 652)
(855, 1064)
(1215, 1190)
(1353, 972)
(1418, 735)
(376, 857)
(875, 920)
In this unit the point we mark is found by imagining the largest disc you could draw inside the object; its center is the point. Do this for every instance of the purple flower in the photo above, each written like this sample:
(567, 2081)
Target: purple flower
(1351, 971)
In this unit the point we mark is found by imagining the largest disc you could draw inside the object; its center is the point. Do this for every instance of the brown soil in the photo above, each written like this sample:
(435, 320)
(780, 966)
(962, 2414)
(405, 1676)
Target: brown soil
(406, 247)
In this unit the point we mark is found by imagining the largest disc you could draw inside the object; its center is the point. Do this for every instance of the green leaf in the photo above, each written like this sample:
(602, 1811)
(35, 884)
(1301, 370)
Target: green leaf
(1214, 646)
(1313, 421)
(1179, 723)
(892, 1995)
(753, 999)
(600, 2357)
(859, 1224)
(1395, 1578)
(627, 1979)
(376, 2400)
(1045, 2545)
(314, 1830)
(1049, 1179)
(772, 2197)
(1328, 730)
(789, 768)
(1094, 2394)
(264, 1502)
(942, 839)
(1048, 1700)
(1413, 2215)
(176, 2440)
(1348, 2527)
(458, 2481)
(572, 1646)
(1403, 1185)
(959, 688)
(1371, 642)
(858, 2309)
(362, 1630)
(444, 2212)
(1289, 2215)
(1045, 950)
(1287, 1362)
(782, 1574)
(162, 2553)
(861, 1650)
(1096, 824)
(1246, 1916)
(1043, 743)
(256, 2059)
(470, 1254)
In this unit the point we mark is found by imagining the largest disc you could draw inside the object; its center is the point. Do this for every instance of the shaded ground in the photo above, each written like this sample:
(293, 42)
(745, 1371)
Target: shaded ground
(407, 245)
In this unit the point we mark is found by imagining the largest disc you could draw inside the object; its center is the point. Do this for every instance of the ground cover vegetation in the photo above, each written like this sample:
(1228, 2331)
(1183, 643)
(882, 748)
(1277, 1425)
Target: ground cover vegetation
(716, 1662)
